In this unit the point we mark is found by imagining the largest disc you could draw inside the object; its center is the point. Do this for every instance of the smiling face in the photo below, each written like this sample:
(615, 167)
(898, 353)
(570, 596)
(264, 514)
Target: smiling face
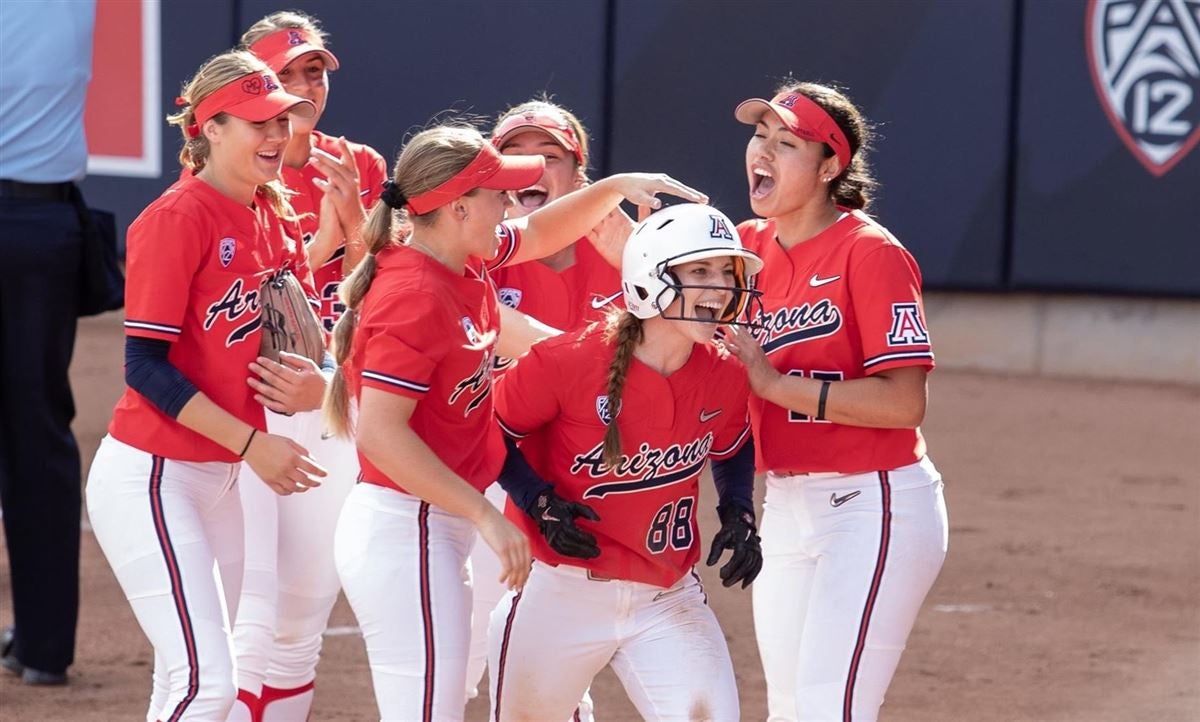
(784, 171)
(713, 279)
(562, 172)
(306, 76)
(247, 152)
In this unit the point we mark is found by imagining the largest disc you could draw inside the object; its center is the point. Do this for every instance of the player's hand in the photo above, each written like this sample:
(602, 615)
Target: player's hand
(510, 545)
(555, 517)
(341, 183)
(610, 235)
(296, 384)
(738, 533)
(328, 236)
(743, 345)
(282, 464)
(641, 188)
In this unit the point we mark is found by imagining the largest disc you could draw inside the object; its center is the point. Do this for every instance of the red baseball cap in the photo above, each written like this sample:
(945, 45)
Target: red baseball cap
(283, 46)
(255, 97)
(488, 170)
(803, 117)
(550, 122)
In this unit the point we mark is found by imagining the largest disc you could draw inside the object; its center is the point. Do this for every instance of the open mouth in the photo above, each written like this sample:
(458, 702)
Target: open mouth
(761, 184)
(707, 310)
(532, 197)
(269, 156)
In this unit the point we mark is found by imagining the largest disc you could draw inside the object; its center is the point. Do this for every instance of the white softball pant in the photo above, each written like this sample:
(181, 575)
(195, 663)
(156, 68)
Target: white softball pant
(847, 562)
(172, 532)
(547, 642)
(290, 583)
(403, 566)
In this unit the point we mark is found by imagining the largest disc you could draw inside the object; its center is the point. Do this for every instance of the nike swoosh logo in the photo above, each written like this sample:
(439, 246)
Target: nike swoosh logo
(707, 416)
(599, 303)
(835, 500)
(547, 516)
(815, 281)
(325, 435)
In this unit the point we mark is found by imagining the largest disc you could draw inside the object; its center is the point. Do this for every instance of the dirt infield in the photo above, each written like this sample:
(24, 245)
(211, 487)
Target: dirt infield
(1071, 591)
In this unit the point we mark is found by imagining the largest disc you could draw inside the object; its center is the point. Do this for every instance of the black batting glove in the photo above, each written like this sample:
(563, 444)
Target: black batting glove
(555, 517)
(738, 533)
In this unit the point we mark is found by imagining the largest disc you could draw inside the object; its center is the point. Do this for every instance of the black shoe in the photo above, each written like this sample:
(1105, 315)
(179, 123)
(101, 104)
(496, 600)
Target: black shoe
(28, 675)
(7, 660)
(43, 679)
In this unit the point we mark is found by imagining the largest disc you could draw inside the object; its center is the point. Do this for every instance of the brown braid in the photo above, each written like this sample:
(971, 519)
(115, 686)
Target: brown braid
(627, 331)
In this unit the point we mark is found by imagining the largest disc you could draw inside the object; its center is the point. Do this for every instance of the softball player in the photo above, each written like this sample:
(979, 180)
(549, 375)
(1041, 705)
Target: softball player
(160, 492)
(290, 582)
(563, 290)
(416, 354)
(619, 420)
(854, 524)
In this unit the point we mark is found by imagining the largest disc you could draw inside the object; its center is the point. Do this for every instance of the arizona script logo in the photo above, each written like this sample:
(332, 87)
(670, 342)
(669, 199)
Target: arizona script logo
(1145, 61)
(477, 386)
(234, 305)
(649, 468)
(797, 324)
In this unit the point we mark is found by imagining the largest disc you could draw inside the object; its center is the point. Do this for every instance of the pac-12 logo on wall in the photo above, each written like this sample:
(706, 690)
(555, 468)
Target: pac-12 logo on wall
(1145, 62)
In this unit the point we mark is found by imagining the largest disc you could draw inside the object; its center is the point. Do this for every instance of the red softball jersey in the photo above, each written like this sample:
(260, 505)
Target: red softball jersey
(372, 172)
(844, 304)
(554, 401)
(427, 333)
(195, 260)
(578, 295)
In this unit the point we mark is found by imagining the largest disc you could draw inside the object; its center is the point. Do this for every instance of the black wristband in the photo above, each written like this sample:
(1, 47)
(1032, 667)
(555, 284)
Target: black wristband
(248, 440)
(821, 400)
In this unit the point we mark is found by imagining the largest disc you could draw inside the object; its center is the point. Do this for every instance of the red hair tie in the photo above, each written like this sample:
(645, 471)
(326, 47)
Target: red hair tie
(193, 130)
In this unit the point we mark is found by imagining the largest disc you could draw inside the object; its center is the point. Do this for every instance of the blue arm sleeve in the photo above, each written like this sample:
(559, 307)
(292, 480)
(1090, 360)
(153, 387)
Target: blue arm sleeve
(519, 479)
(734, 478)
(148, 372)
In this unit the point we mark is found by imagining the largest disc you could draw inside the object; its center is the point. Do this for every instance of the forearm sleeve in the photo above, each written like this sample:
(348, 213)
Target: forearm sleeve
(148, 372)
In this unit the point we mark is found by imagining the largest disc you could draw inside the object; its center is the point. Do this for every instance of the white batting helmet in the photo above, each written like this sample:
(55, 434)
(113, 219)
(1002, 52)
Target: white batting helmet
(680, 234)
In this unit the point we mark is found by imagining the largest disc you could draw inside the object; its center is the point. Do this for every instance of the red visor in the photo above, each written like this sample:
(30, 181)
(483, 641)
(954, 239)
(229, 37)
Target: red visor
(254, 97)
(552, 124)
(283, 46)
(489, 170)
(803, 117)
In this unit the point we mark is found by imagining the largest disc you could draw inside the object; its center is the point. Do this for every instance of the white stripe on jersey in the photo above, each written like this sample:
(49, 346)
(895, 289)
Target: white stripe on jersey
(147, 326)
(882, 358)
(395, 381)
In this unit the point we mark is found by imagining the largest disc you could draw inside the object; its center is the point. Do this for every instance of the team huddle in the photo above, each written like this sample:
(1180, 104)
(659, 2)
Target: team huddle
(498, 456)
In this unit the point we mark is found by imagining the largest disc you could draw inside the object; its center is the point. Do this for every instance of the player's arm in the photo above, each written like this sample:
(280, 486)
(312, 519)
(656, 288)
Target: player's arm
(565, 220)
(734, 478)
(385, 437)
(554, 515)
(281, 463)
(519, 332)
(890, 399)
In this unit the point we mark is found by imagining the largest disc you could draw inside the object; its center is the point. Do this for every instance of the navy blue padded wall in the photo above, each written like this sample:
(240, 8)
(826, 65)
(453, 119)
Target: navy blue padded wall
(934, 76)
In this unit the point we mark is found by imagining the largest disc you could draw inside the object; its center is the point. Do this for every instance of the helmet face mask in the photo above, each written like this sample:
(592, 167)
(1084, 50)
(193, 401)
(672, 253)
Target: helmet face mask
(739, 311)
(682, 234)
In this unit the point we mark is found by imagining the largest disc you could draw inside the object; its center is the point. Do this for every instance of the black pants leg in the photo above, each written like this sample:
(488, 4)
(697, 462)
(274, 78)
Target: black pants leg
(40, 487)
